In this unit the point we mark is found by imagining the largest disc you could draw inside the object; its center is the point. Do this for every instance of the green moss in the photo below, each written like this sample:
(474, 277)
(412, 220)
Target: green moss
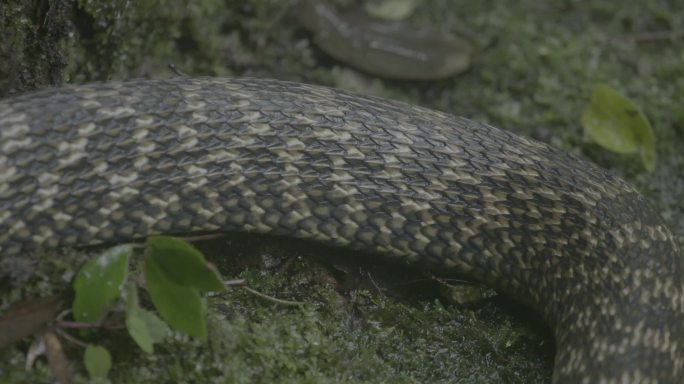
(534, 77)
(31, 53)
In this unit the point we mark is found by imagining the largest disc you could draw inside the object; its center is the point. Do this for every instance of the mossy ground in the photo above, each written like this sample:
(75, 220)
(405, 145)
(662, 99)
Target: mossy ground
(534, 77)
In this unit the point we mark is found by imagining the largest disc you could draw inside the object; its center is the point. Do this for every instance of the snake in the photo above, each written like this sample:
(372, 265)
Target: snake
(111, 161)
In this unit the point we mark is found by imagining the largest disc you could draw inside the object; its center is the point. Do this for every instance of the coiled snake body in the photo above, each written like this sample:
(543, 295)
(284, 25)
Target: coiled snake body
(111, 161)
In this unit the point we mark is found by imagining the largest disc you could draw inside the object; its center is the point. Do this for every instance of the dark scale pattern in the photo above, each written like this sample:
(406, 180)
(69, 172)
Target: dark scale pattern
(108, 162)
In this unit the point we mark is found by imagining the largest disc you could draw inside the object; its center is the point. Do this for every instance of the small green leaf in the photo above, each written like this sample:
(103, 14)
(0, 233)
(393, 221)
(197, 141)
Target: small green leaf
(183, 264)
(138, 330)
(98, 283)
(156, 327)
(97, 361)
(617, 124)
(132, 300)
(145, 328)
(179, 305)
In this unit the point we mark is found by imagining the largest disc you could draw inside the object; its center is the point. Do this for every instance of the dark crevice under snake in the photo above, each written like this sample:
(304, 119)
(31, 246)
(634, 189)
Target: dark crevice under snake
(106, 162)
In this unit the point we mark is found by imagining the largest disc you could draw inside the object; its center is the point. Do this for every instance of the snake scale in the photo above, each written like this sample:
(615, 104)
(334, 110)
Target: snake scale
(107, 162)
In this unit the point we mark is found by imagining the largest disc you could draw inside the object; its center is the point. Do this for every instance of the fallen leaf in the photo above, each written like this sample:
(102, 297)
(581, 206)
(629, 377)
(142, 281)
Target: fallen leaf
(27, 317)
(614, 122)
(57, 360)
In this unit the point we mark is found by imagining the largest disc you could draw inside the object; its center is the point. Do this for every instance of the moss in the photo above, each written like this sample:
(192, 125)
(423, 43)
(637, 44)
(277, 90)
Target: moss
(534, 77)
(31, 53)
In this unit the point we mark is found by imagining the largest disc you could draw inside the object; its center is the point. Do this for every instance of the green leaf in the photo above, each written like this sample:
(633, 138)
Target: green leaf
(155, 326)
(183, 264)
(97, 361)
(179, 305)
(145, 328)
(617, 124)
(99, 282)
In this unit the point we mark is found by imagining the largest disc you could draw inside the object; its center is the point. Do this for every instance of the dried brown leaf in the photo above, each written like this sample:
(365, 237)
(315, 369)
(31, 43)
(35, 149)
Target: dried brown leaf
(26, 318)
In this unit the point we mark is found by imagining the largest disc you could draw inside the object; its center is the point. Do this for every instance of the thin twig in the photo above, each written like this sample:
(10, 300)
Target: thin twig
(237, 283)
(273, 299)
(177, 71)
(78, 325)
(63, 314)
(70, 338)
(65, 324)
(242, 283)
(377, 287)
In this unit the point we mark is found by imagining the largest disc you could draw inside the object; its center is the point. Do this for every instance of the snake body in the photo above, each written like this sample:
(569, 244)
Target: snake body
(108, 162)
